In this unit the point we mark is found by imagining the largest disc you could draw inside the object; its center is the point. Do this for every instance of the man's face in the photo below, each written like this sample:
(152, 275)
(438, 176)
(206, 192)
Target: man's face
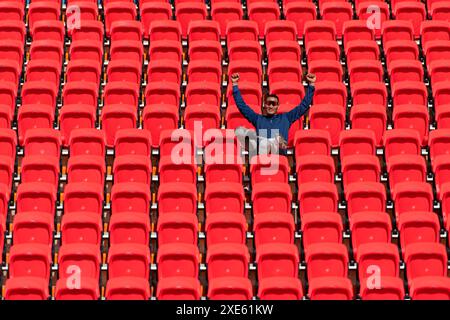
(270, 106)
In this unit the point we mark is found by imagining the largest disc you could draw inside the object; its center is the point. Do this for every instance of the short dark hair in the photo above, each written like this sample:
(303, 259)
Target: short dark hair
(271, 95)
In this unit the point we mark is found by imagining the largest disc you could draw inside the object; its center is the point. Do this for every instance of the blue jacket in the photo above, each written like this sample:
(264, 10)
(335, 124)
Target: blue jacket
(281, 122)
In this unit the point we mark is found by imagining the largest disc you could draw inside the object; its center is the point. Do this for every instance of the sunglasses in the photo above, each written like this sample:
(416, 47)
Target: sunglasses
(271, 103)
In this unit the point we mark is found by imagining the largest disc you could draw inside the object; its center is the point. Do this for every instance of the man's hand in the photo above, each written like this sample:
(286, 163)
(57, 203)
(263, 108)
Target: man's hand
(234, 79)
(282, 144)
(311, 78)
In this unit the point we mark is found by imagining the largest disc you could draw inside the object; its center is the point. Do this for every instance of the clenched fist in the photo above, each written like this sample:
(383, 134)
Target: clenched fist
(311, 78)
(234, 79)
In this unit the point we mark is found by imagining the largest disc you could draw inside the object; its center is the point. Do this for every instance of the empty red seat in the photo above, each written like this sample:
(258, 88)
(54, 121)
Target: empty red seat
(86, 50)
(11, 10)
(166, 50)
(88, 11)
(30, 260)
(87, 142)
(356, 142)
(263, 12)
(189, 11)
(280, 30)
(133, 142)
(126, 93)
(127, 288)
(198, 71)
(230, 288)
(411, 11)
(205, 50)
(88, 30)
(26, 288)
(44, 142)
(83, 70)
(397, 30)
(12, 29)
(245, 50)
(6, 171)
(425, 259)
(227, 260)
(128, 261)
(365, 196)
(5, 193)
(375, 13)
(430, 288)
(127, 49)
(132, 168)
(401, 142)
(162, 70)
(130, 197)
(177, 227)
(180, 139)
(312, 142)
(224, 13)
(319, 50)
(83, 196)
(443, 116)
(203, 93)
(172, 199)
(40, 169)
(273, 227)
(80, 92)
(10, 71)
(370, 227)
(405, 70)
(12, 50)
(441, 94)
(88, 290)
(280, 288)
(404, 168)
(391, 288)
(356, 30)
(328, 70)
(157, 118)
(321, 227)
(338, 13)
(153, 12)
(401, 50)
(33, 117)
(315, 30)
(315, 168)
(222, 197)
(200, 30)
(377, 258)
(413, 117)
(282, 71)
(118, 11)
(81, 227)
(178, 288)
(269, 168)
(126, 30)
(326, 260)
(48, 30)
(412, 196)
(365, 70)
(47, 49)
(369, 92)
(203, 116)
(241, 30)
(418, 227)
(162, 93)
(431, 30)
(409, 92)
(129, 228)
(317, 197)
(361, 50)
(44, 70)
(172, 171)
(277, 260)
(79, 259)
(124, 71)
(39, 93)
(439, 143)
(360, 168)
(178, 259)
(226, 172)
(36, 197)
(270, 197)
(441, 167)
(331, 93)
(330, 288)
(328, 117)
(76, 116)
(371, 118)
(116, 117)
(33, 228)
(439, 11)
(43, 10)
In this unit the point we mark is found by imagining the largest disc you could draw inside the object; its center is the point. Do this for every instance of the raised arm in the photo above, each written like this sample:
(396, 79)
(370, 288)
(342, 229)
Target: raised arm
(304, 105)
(246, 111)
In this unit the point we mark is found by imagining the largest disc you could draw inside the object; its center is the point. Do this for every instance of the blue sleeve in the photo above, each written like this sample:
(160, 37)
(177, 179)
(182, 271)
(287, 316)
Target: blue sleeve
(301, 109)
(246, 111)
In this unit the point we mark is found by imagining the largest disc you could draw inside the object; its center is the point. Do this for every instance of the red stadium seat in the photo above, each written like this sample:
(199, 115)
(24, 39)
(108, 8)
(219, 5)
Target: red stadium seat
(328, 117)
(39, 93)
(315, 168)
(171, 140)
(366, 10)
(391, 289)
(115, 118)
(198, 71)
(361, 50)
(318, 30)
(412, 196)
(250, 71)
(171, 171)
(330, 288)
(409, 92)
(203, 93)
(133, 142)
(317, 197)
(26, 288)
(178, 227)
(178, 259)
(83, 196)
(244, 50)
(29, 260)
(163, 29)
(354, 30)
(12, 50)
(431, 30)
(132, 168)
(404, 168)
(226, 172)
(370, 228)
(411, 11)
(439, 142)
(88, 30)
(124, 71)
(40, 169)
(205, 115)
(162, 70)
(263, 12)
(413, 117)
(227, 260)
(130, 197)
(44, 142)
(162, 93)
(230, 288)
(328, 70)
(31, 116)
(44, 70)
(4, 201)
(80, 92)
(365, 70)
(117, 93)
(271, 197)
(397, 30)
(269, 168)
(277, 260)
(441, 167)
(88, 10)
(127, 49)
(6, 171)
(81, 227)
(439, 11)
(177, 197)
(299, 13)
(280, 288)
(439, 71)
(360, 168)
(225, 227)
(326, 260)
(400, 50)
(281, 71)
(47, 49)
(418, 227)
(369, 92)
(330, 93)
(127, 288)
(33, 228)
(42, 10)
(430, 288)
(86, 50)
(205, 50)
(312, 142)
(384, 256)
(356, 142)
(129, 228)
(12, 10)
(87, 142)
(405, 70)
(126, 30)
(155, 12)
(222, 197)
(12, 29)
(401, 142)
(118, 11)
(365, 196)
(84, 70)
(321, 227)
(425, 259)
(245, 30)
(189, 11)
(88, 290)
(48, 30)
(76, 116)
(319, 50)
(157, 118)
(10, 71)
(338, 13)
(178, 288)
(128, 261)
(85, 258)
(280, 30)
(201, 30)
(273, 227)
(369, 117)
(224, 13)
